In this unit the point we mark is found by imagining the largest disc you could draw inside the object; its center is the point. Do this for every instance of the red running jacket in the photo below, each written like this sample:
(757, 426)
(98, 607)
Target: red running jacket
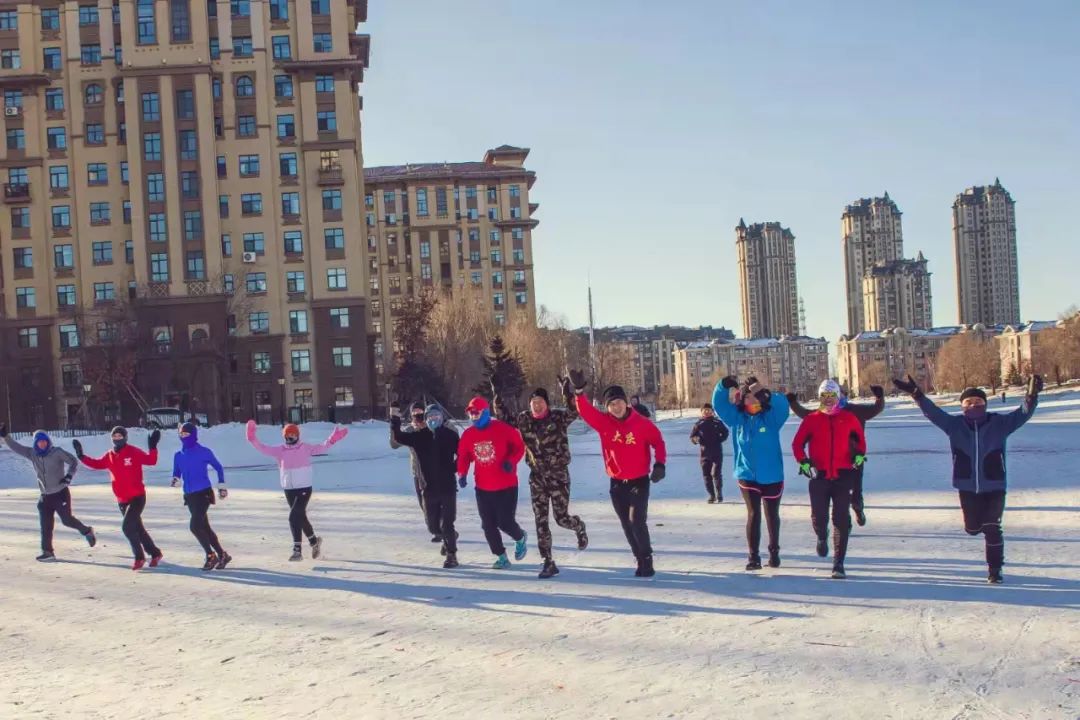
(624, 443)
(834, 441)
(489, 448)
(125, 468)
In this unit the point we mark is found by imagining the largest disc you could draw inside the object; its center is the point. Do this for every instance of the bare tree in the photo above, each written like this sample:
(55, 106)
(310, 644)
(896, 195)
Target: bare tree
(968, 359)
(876, 373)
(456, 336)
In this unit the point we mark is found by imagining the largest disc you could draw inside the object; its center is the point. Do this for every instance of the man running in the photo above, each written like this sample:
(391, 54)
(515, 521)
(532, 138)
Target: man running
(547, 452)
(416, 416)
(709, 434)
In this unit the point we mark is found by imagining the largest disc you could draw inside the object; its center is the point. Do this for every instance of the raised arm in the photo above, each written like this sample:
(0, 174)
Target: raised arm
(592, 417)
(143, 457)
(1016, 419)
(797, 408)
(398, 437)
(568, 397)
(336, 435)
(721, 401)
(934, 414)
(269, 451)
(15, 447)
(779, 411)
(866, 413)
(101, 463)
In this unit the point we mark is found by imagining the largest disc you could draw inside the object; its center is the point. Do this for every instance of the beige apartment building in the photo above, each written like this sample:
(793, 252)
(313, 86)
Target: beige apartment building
(984, 236)
(871, 233)
(791, 363)
(767, 282)
(179, 222)
(462, 227)
(897, 294)
(1018, 346)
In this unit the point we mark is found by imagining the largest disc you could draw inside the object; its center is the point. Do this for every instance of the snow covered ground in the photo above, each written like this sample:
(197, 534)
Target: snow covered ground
(377, 629)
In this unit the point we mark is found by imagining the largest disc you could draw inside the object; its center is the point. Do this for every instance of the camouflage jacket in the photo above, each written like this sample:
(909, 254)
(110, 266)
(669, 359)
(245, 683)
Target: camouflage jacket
(546, 444)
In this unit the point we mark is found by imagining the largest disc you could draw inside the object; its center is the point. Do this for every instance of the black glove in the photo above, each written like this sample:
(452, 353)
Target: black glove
(78, 448)
(565, 386)
(66, 480)
(577, 379)
(1035, 386)
(792, 398)
(3, 430)
(395, 422)
(658, 472)
(462, 482)
(878, 391)
(153, 440)
(507, 466)
(729, 382)
(910, 386)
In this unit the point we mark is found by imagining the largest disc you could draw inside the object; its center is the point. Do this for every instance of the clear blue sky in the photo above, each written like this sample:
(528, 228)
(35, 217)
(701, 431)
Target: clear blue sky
(655, 126)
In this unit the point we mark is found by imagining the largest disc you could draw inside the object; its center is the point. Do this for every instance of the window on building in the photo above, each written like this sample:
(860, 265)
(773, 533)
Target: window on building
(54, 99)
(240, 8)
(279, 9)
(20, 218)
(189, 185)
(24, 258)
(156, 231)
(251, 204)
(90, 54)
(249, 165)
(320, 7)
(185, 104)
(326, 120)
(50, 58)
(421, 202)
(323, 42)
(260, 363)
(228, 284)
(16, 139)
(336, 279)
(294, 242)
(222, 168)
(180, 20)
(50, 18)
(69, 336)
(242, 47)
(56, 138)
(104, 292)
(283, 86)
(334, 238)
(155, 187)
(129, 252)
(61, 217)
(245, 126)
(286, 126)
(226, 245)
(331, 199)
(343, 396)
(476, 278)
(254, 242)
(152, 147)
(301, 362)
(244, 86)
(99, 213)
(189, 145)
(342, 357)
(146, 25)
(295, 282)
(58, 177)
(65, 296)
(193, 225)
(324, 83)
(290, 203)
(10, 60)
(28, 337)
(151, 107)
(298, 321)
(255, 282)
(259, 323)
(339, 318)
(521, 298)
(64, 257)
(124, 172)
(519, 256)
(25, 298)
(287, 165)
(282, 50)
(94, 94)
(215, 49)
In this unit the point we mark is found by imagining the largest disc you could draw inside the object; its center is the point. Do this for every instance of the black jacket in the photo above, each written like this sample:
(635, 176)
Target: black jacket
(711, 434)
(862, 412)
(436, 455)
(642, 410)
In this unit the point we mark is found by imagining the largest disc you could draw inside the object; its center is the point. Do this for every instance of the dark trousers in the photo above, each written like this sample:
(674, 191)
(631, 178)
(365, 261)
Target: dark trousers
(712, 470)
(630, 499)
(838, 492)
(756, 496)
(497, 509)
(440, 509)
(58, 504)
(298, 521)
(198, 504)
(133, 528)
(551, 495)
(856, 490)
(982, 514)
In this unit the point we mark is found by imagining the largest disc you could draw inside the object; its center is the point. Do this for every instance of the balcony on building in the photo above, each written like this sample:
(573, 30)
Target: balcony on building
(331, 174)
(16, 192)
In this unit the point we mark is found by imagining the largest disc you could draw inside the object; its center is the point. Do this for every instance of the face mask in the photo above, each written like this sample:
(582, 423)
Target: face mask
(434, 422)
(291, 440)
(482, 420)
(975, 412)
(752, 409)
(118, 445)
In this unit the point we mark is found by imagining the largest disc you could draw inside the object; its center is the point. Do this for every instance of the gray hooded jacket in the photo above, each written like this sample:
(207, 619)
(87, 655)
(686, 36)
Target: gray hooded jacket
(50, 467)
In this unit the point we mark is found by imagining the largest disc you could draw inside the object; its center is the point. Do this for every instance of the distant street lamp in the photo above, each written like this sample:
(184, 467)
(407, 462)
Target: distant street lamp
(87, 387)
(281, 384)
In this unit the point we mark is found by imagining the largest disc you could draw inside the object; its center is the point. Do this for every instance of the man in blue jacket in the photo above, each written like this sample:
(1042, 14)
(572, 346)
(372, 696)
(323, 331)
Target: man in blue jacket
(190, 465)
(755, 416)
(978, 442)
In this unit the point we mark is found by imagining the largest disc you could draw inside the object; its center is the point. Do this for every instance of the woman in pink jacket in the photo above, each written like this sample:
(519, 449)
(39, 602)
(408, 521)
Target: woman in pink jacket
(294, 463)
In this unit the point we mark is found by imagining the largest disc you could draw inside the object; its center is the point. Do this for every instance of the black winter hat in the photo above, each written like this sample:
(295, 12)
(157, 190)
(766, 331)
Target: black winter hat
(707, 406)
(973, 392)
(540, 393)
(417, 408)
(119, 430)
(614, 392)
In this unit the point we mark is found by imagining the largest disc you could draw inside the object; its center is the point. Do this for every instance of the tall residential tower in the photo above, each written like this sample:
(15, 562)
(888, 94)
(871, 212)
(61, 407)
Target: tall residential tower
(984, 235)
(767, 284)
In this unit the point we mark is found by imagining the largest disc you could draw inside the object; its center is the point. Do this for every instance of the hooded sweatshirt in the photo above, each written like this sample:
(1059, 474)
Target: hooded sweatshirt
(488, 444)
(192, 462)
(755, 438)
(51, 465)
(625, 443)
(294, 461)
(125, 467)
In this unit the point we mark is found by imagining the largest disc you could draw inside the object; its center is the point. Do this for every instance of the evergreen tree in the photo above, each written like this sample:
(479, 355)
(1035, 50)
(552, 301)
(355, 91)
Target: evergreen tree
(1012, 377)
(503, 371)
(415, 378)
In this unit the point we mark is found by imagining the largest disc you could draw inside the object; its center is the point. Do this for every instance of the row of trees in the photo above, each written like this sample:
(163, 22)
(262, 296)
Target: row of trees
(448, 348)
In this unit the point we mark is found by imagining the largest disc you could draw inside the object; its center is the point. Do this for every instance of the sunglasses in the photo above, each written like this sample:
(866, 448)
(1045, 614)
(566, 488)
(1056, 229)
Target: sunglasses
(828, 395)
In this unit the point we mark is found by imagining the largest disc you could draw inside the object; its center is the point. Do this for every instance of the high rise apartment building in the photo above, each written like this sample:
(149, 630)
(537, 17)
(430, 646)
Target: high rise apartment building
(987, 275)
(179, 220)
(767, 281)
(871, 234)
(457, 228)
(897, 294)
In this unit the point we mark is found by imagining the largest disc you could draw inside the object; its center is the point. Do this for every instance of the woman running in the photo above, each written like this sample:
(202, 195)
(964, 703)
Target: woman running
(190, 466)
